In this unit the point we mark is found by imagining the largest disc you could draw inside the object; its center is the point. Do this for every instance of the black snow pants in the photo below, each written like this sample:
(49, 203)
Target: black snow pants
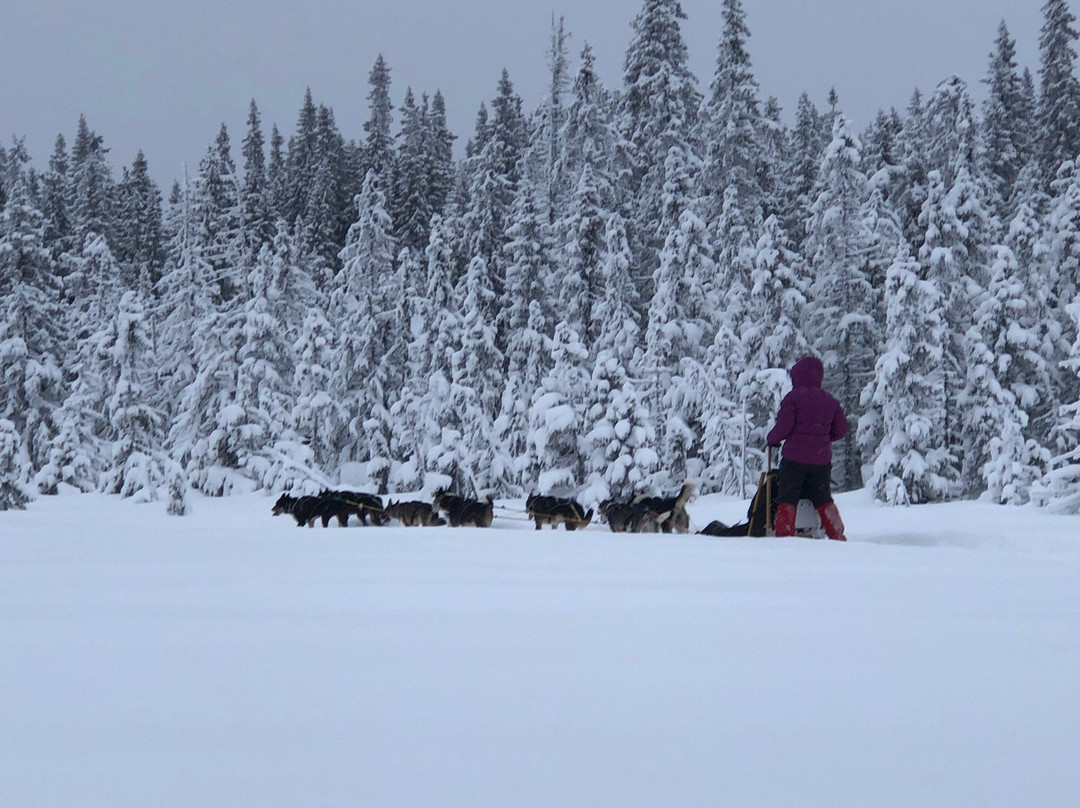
(804, 481)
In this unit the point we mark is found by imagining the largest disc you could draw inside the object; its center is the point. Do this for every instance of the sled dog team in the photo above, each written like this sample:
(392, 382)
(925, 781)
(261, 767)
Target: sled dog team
(808, 422)
(640, 515)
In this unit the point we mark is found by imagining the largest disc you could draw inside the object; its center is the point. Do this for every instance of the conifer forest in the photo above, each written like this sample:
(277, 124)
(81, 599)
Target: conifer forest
(602, 294)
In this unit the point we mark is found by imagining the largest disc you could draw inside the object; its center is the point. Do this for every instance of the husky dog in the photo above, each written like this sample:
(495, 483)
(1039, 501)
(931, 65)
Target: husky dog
(631, 517)
(676, 518)
(555, 511)
(364, 506)
(413, 513)
(305, 510)
(460, 510)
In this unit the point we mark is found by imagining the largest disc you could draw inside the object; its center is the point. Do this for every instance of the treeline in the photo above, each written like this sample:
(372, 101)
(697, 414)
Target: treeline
(604, 294)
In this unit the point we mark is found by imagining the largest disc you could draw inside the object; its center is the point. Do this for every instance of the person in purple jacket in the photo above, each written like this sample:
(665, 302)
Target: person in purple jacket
(808, 422)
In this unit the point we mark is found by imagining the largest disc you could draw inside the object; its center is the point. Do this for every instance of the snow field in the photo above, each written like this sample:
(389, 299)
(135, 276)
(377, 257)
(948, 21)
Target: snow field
(231, 659)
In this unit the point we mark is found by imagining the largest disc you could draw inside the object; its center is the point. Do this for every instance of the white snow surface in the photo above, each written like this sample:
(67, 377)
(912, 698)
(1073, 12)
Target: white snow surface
(229, 658)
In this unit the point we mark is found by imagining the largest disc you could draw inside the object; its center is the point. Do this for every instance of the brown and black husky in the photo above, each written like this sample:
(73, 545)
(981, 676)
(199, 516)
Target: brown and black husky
(413, 513)
(364, 506)
(631, 517)
(555, 511)
(461, 511)
(306, 510)
(673, 508)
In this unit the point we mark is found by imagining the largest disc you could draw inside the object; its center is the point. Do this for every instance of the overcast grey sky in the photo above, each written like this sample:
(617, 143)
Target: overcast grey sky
(162, 75)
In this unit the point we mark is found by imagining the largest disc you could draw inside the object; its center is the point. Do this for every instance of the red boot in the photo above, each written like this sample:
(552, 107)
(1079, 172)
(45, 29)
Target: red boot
(785, 520)
(831, 521)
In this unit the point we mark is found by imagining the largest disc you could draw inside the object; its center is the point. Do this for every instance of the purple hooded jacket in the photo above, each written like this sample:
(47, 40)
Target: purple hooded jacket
(809, 418)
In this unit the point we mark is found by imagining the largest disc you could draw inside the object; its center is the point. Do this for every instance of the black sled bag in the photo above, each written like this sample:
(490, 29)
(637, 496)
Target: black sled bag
(764, 500)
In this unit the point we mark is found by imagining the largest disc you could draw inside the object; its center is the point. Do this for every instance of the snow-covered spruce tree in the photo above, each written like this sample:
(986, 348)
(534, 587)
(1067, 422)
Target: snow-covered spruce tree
(268, 449)
(217, 215)
(412, 310)
(998, 457)
(530, 284)
(735, 256)
(82, 451)
(590, 134)
(431, 352)
(554, 458)
(1005, 135)
(881, 147)
(15, 490)
(731, 122)
(621, 442)
(509, 128)
(275, 174)
(542, 165)
(409, 202)
(777, 299)
(93, 288)
(840, 316)
(55, 202)
(913, 464)
(75, 455)
(1059, 246)
(369, 362)
(808, 143)
(909, 186)
(461, 449)
(678, 326)
(31, 387)
(206, 431)
(659, 110)
(1059, 102)
(255, 203)
(940, 258)
(584, 228)
(477, 379)
(440, 151)
(775, 174)
(183, 299)
(139, 239)
(378, 154)
(530, 267)
(528, 362)
(178, 491)
(291, 290)
(1037, 334)
(137, 466)
(299, 164)
(729, 458)
(960, 233)
(1059, 489)
(617, 303)
(200, 334)
(620, 435)
(771, 336)
(881, 223)
(1024, 229)
(328, 211)
(91, 185)
(491, 180)
(318, 417)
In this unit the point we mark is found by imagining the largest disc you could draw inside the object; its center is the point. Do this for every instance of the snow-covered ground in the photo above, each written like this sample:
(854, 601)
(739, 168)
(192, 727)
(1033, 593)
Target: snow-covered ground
(229, 658)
